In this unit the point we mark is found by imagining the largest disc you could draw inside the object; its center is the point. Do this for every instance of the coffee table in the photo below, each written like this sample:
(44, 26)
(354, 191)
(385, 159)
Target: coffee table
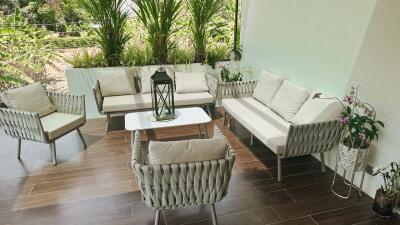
(138, 121)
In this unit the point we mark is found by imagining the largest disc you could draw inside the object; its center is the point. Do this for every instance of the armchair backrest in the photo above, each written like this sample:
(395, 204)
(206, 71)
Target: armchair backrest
(180, 185)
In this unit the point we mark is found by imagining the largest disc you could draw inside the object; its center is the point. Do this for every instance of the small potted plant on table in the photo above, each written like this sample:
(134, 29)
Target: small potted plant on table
(387, 195)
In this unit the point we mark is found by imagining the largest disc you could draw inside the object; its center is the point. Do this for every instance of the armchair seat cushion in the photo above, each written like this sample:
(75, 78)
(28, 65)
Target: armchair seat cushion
(57, 124)
(143, 101)
(264, 123)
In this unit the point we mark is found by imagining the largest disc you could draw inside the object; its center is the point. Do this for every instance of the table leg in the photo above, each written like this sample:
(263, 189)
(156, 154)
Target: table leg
(199, 131)
(205, 127)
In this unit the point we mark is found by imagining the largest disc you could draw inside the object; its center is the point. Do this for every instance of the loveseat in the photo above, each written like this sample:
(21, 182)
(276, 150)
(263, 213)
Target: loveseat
(128, 92)
(289, 119)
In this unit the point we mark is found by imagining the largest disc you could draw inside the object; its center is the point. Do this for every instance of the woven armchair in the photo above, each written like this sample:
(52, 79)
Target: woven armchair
(302, 139)
(29, 126)
(182, 185)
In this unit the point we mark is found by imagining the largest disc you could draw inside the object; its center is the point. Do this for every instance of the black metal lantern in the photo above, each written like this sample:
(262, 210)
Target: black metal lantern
(162, 94)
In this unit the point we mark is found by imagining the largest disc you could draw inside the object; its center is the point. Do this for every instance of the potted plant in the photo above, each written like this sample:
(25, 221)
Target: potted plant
(387, 195)
(360, 128)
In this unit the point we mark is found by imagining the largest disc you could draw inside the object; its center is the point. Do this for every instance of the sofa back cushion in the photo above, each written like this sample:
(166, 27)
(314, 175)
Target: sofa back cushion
(267, 86)
(116, 82)
(145, 73)
(318, 110)
(195, 150)
(191, 82)
(31, 98)
(289, 99)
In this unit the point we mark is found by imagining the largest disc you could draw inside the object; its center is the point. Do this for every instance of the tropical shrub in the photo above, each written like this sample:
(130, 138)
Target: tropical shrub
(202, 13)
(112, 37)
(137, 56)
(85, 59)
(217, 53)
(158, 18)
(181, 55)
(71, 42)
(23, 54)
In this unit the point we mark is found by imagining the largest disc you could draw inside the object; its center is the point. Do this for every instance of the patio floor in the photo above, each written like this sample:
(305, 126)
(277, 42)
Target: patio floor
(97, 186)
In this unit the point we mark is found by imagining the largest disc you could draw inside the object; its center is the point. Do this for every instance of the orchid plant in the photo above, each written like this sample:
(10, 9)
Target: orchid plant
(359, 121)
(391, 178)
(230, 72)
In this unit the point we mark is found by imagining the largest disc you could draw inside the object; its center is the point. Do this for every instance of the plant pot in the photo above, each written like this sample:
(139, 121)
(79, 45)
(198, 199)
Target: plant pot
(350, 156)
(384, 204)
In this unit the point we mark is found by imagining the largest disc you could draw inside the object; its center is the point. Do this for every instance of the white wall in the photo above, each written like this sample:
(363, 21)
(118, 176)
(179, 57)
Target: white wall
(329, 45)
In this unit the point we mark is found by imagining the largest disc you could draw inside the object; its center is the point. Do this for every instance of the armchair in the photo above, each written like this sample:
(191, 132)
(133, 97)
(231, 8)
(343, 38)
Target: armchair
(171, 186)
(69, 116)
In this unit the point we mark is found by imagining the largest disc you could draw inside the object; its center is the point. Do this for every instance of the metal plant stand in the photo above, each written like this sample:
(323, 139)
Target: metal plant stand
(359, 164)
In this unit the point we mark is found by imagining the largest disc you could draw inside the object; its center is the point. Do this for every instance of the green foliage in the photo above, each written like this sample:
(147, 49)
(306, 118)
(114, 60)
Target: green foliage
(23, 54)
(202, 13)
(217, 53)
(158, 18)
(112, 19)
(137, 56)
(85, 59)
(71, 42)
(181, 56)
(391, 178)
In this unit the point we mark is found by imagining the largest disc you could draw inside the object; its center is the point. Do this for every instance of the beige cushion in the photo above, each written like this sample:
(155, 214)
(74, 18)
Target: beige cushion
(318, 110)
(196, 150)
(267, 86)
(143, 101)
(118, 82)
(264, 123)
(145, 74)
(58, 124)
(289, 99)
(191, 82)
(31, 98)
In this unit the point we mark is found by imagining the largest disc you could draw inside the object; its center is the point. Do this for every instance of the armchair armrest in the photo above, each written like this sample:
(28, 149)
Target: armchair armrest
(212, 86)
(240, 89)
(98, 97)
(20, 124)
(312, 138)
(68, 103)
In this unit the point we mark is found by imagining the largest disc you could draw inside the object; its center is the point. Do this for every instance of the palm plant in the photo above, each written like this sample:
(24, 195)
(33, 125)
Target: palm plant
(202, 13)
(112, 19)
(158, 18)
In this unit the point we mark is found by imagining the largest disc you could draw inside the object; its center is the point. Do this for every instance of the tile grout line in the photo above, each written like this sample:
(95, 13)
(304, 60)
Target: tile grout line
(312, 218)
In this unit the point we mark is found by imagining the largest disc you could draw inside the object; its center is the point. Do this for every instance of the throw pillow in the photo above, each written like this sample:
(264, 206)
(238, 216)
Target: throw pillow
(187, 151)
(191, 82)
(289, 99)
(267, 86)
(115, 83)
(31, 98)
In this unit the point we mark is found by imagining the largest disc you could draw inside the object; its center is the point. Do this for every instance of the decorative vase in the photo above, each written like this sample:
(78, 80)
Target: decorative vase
(384, 204)
(350, 156)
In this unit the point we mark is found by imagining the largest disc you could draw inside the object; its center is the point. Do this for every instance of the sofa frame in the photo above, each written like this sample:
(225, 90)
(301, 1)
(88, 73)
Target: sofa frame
(211, 82)
(304, 139)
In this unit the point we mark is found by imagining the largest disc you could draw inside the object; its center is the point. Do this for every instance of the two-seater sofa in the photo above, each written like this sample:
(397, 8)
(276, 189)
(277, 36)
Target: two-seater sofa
(117, 93)
(289, 119)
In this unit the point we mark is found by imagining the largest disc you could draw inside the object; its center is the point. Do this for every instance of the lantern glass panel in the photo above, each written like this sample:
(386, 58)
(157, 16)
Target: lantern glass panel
(162, 91)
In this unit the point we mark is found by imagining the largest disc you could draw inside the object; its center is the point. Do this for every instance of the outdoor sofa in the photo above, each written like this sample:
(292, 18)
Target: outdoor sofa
(128, 92)
(285, 117)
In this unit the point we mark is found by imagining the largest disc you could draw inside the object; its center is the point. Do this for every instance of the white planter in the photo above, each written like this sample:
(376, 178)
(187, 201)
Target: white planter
(349, 157)
(81, 80)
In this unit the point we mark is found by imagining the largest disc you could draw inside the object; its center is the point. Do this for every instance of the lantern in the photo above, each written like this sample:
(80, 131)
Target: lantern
(162, 94)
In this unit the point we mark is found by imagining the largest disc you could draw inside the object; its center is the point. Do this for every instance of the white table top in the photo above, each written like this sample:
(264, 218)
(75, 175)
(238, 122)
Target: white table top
(185, 116)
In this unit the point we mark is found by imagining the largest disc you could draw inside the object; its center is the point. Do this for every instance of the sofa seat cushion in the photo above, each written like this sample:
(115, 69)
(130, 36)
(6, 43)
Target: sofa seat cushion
(143, 101)
(186, 151)
(57, 124)
(127, 103)
(264, 123)
(188, 99)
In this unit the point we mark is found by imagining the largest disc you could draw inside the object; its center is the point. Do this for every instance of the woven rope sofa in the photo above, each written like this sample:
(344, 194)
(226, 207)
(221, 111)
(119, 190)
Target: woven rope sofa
(122, 93)
(37, 115)
(171, 186)
(283, 116)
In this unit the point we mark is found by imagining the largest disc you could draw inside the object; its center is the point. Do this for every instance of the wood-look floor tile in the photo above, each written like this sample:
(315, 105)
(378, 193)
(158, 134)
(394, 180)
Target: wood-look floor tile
(299, 221)
(317, 205)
